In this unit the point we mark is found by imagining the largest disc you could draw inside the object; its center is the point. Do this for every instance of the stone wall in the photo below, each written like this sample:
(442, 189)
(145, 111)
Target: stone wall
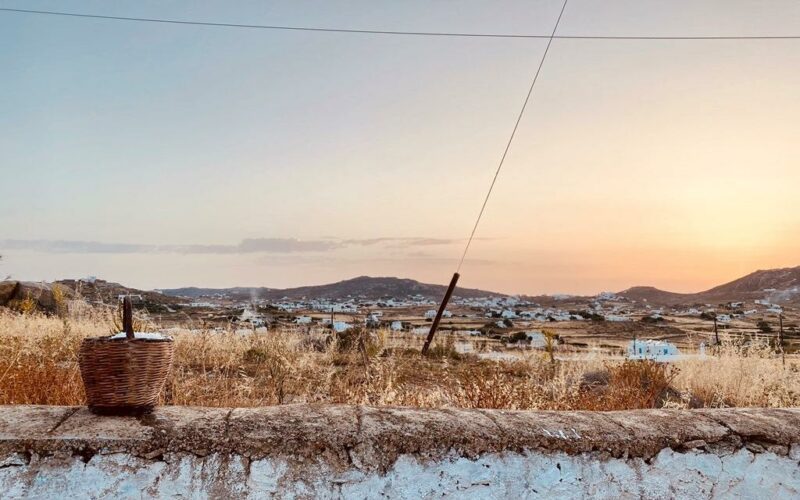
(360, 452)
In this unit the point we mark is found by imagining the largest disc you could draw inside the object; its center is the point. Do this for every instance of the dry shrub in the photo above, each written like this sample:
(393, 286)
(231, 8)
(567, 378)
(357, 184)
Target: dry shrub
(444, 347)
(227, 368)
(370, 342)
(39, 360)
(27, 305)
(235, 369)
(741, 374)
(632, 384)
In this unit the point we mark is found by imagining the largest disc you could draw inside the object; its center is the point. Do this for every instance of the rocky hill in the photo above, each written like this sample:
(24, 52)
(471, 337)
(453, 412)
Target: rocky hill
(106, 292)
(654, 295)
(784, 281)
(364, 287)
(776, 285)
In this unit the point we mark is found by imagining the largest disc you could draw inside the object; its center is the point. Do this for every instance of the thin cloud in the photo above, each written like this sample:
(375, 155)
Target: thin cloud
(246, 246)
(286, 245)
(401, 242)
(67, 246)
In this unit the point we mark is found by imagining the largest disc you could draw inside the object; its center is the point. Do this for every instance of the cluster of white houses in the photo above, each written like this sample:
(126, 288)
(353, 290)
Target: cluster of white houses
(502, 310)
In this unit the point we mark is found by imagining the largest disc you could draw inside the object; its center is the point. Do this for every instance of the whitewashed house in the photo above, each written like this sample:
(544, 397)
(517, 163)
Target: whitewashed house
(559, 315)
(536, 339)
(658, 350)
(397, 326)
(430, 314)
(373, 320)
(204, 304)
(340, 326)
(303, 320)
(248, 316)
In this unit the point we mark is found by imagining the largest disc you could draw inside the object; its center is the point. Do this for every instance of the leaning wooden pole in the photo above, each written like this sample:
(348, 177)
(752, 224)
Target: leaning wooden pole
(780, 337)
(440, 312)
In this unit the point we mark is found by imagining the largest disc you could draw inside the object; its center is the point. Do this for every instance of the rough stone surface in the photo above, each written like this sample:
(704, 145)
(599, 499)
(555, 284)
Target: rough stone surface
(7, 291)
(13, 292)
(333, 451)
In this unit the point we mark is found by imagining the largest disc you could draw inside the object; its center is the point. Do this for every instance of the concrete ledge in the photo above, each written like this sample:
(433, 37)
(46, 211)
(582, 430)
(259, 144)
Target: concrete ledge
(329, 443)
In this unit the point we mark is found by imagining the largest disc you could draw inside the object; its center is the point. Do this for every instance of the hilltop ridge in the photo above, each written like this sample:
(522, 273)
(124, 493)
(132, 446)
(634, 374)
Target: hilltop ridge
(362, 286)
(777, 285)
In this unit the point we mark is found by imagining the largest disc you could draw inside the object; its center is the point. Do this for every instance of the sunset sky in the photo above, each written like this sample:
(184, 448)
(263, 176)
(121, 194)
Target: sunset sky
(160, 155)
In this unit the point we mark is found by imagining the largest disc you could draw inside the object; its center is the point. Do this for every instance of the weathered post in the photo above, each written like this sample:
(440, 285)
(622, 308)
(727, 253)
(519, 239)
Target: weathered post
(438, 318)
(780, 339)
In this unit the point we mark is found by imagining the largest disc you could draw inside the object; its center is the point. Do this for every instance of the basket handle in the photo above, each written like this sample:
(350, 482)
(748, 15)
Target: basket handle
(127, 318)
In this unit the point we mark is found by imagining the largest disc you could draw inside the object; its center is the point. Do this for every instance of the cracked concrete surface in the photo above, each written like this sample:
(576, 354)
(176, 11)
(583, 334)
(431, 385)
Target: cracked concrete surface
(362, 452)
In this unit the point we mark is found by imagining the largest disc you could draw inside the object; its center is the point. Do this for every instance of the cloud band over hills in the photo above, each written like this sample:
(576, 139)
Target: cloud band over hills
(246, 246)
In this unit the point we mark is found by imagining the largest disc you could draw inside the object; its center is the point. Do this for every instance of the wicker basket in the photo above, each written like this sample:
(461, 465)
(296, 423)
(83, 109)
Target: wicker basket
(124, 376)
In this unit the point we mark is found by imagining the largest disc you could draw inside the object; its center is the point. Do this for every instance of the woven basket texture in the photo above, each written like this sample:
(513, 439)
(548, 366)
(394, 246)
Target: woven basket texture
(122, 375)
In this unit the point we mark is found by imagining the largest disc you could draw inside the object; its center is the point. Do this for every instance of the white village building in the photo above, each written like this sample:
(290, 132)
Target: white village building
(536, 339)
(658, 350)
(431, 313)
(248, 316)
(340, 326)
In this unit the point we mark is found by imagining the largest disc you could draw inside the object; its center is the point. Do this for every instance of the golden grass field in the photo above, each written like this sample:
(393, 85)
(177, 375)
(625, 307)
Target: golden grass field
(38, 365)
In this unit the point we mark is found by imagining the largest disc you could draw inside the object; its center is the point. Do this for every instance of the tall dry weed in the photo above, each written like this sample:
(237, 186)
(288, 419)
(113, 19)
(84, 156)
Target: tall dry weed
(228, 368)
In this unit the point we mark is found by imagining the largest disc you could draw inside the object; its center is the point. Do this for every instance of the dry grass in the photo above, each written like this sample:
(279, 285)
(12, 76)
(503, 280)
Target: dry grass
(38, 365)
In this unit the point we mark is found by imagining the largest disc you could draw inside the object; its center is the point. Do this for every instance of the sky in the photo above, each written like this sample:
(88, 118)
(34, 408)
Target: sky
(159, 155)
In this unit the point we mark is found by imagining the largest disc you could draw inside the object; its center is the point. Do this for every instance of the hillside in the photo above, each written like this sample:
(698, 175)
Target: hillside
(362, 287)
(106, 292)
(654, 295)
(776, 285)
(784, 281)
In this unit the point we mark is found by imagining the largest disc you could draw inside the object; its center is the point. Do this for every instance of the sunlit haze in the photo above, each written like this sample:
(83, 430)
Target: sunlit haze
(161, 155)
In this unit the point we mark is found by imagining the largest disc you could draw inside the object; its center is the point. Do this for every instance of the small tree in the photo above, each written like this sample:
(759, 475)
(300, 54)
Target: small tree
(764, 327)
(550, 342)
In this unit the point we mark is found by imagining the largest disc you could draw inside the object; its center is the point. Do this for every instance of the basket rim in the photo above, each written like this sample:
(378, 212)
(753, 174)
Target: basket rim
(124, 340)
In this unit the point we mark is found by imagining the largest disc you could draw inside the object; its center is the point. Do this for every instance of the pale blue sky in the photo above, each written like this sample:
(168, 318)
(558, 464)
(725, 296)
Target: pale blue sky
(173, 145)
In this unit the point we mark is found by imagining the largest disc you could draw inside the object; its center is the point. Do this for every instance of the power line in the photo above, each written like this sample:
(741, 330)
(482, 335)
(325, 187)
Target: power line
(388, 32)
(511, 137)
(699, 37)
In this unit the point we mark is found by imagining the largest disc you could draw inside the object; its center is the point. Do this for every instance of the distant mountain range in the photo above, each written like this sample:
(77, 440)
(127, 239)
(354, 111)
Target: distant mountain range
(362, 287)
(777, 285)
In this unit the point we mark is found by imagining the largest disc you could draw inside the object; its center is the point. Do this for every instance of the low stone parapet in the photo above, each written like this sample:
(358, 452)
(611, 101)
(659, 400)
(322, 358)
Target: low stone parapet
(363, 452)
